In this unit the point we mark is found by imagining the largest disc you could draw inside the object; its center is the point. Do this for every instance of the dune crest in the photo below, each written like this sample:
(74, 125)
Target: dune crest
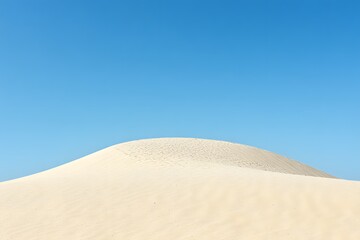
(185, 151)
(178, 188)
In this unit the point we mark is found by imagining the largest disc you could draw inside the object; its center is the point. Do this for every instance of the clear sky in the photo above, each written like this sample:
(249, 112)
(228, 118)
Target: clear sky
(78, 76)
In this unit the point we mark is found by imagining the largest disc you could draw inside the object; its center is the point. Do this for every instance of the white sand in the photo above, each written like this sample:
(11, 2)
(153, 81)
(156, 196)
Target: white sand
(174, 189)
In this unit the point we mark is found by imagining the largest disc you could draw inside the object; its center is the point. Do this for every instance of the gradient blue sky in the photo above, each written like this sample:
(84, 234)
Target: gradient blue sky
(78, 76)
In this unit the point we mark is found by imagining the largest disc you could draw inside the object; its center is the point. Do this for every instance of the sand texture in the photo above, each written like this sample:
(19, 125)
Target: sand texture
(177, 188)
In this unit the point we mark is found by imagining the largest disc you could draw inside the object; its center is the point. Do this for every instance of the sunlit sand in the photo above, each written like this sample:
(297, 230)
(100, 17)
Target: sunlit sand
(178, 188)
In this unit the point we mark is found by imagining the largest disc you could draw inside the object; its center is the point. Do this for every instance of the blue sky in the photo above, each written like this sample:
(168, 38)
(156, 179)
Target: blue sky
(78, 76)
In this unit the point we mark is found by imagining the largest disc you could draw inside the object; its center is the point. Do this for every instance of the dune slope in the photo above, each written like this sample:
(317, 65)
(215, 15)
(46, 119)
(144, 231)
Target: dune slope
(180, 189)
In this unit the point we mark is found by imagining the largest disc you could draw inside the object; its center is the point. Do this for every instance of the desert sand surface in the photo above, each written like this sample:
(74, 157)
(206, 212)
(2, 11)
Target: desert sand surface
(178, 188)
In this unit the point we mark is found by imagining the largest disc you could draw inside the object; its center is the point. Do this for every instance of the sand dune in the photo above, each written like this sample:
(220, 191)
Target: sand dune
(176, 188)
